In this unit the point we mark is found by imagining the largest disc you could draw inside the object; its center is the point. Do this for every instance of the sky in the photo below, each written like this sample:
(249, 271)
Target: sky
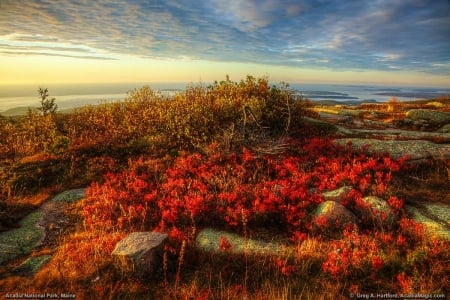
(403, 42)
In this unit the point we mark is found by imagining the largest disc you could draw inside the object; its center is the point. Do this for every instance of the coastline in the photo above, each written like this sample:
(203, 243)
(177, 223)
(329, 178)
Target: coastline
(69, 97)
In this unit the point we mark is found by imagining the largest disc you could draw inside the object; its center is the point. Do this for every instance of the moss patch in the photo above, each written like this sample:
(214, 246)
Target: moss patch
(22, 240)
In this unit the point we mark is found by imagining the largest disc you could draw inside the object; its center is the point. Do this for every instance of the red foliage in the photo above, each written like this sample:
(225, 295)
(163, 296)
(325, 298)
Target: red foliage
(226, 189)
(377, 263)
(245, 190)
(225, 244)
(404, 282)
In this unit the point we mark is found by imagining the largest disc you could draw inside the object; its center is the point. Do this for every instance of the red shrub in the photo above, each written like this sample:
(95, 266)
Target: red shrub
(218, 188)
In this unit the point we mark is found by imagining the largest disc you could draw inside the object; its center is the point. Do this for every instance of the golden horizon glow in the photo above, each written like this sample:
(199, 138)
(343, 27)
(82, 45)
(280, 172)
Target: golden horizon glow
(34, 69)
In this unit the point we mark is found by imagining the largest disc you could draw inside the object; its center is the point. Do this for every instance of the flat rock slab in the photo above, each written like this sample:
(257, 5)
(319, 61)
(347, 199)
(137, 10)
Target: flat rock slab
(54, 219)
(416, 150)
(399, 133)
(70, 195)
(428, 114)
(338, 111)
(209, 239)
(434, 226)
(445, 129)
(22, 240)
(32, 265)
(439, 211)
(136, 254)
(32, 229)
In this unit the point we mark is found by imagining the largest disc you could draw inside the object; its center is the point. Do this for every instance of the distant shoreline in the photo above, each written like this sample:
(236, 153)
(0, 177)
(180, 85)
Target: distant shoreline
(17, 100)
(413, 95)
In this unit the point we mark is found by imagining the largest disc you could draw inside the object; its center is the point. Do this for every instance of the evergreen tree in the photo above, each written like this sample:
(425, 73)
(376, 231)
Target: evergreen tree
(48, 104)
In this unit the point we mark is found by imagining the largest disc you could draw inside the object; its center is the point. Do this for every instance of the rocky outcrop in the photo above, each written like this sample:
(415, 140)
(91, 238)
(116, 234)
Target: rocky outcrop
(54, 219)
(372, 210)
(337, 111)
(32, 265)
(48, 221)
(435, 221)
(414, 150)
(138, 254)
(428, 114)
(445, 129)
(395, 134)
(22, 240)
(70, 195)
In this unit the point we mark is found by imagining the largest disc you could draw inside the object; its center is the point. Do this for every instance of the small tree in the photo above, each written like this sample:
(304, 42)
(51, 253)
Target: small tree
(48, 104)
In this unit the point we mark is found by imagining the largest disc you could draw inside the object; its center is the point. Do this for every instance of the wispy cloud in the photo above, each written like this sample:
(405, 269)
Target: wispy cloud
(338, 35)
(5, 52)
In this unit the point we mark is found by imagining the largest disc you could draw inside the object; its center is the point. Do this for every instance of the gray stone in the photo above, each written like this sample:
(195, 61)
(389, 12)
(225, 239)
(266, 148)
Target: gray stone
(336, 195)
(415, 150)
(433, 228)
(22, 240)
(445, 129)
(32, 232)
(399, 133)
(428, 114)
(32, 264)
(209, 239)
(138, 254)
(70, 195)
(376, 210)
(335, 214)
(439, 211)
(328, 126)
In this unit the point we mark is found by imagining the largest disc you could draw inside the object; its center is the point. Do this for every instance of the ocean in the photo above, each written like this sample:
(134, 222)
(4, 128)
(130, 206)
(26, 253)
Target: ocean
(76, 95)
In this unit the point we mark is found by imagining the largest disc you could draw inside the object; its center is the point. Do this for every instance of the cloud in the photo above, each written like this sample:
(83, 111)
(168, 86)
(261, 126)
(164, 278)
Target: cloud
(349, 35)
(249, 15)
(5, 52)
(45, 48)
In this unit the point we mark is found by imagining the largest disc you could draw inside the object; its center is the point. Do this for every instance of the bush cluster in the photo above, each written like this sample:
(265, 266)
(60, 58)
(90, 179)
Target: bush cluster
(233, 114)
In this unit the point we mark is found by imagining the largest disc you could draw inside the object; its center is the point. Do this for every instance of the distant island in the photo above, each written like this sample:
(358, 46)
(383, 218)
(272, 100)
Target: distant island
(422, 95)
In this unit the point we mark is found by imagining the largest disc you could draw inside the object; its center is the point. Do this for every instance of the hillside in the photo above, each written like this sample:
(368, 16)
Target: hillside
(252, 193)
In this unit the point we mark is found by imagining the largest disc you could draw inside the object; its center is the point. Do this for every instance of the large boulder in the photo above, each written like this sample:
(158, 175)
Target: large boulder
(428, 114)
(138, 254)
